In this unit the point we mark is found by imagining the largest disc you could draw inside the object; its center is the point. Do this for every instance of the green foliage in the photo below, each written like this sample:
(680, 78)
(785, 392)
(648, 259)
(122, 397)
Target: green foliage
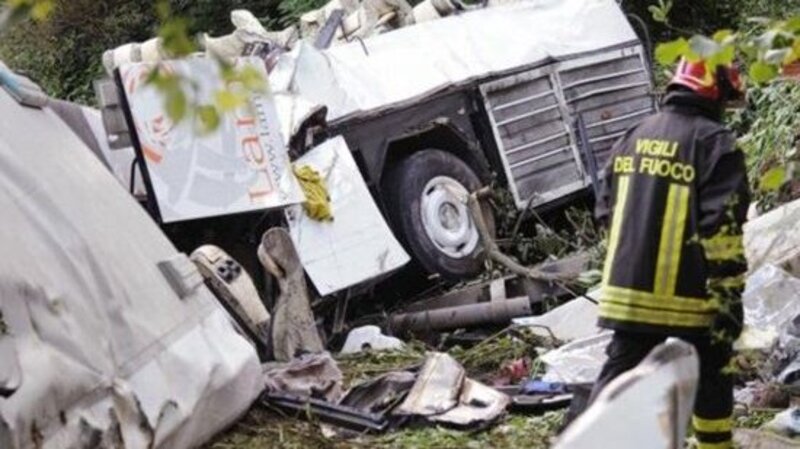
(771, 125)
(64, 52)
(291, 10)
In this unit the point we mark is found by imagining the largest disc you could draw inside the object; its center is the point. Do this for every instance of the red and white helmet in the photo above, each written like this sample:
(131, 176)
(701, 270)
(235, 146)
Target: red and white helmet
(724, 85)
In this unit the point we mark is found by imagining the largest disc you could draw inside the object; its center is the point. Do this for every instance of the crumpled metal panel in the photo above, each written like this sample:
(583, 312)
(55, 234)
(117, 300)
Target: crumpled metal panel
(109, 354)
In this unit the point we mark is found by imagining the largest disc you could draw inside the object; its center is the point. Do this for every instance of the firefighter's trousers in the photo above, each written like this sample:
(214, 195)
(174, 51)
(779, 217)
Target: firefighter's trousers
(712, 420)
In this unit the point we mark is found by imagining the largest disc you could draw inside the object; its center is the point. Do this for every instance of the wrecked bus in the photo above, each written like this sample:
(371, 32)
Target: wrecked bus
(532, 94)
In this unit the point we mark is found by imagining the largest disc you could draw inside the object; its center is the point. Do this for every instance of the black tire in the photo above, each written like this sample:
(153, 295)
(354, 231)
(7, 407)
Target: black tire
(403, 190)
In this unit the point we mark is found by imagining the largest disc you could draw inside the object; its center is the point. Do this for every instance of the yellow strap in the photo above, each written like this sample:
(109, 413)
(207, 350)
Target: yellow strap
(712, 425)
(616, 225)
(625, 313)
(318, 203)
(671, 246)
(645, 299)
(723, 247)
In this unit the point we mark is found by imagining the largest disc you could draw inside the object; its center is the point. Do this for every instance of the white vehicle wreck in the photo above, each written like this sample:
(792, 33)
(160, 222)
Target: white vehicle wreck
(85, 360)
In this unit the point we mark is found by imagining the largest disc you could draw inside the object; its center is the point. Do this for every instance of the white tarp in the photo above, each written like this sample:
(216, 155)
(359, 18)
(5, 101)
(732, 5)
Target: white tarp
(358, 244)
(109, 354)
(414, 62)
(242, 166)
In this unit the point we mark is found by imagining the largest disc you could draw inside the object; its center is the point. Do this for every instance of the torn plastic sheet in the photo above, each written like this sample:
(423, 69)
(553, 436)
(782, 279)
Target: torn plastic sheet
(107, 350)
(771, 299)
(646, 407)
(311, 375)
(571, 321)
(578, 362)
(370, 338)
(357, 245)
(773, 237)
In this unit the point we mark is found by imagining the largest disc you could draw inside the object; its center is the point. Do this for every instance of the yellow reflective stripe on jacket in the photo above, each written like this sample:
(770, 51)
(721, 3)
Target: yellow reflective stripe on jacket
(653, 301)
(712, 425)
(671, 246)
(616, 224)
(723, 247)
(723, 445)
(625, 313)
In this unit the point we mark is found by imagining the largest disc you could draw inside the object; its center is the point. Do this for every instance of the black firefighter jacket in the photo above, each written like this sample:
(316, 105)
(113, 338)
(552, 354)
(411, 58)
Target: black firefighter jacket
(676, 193)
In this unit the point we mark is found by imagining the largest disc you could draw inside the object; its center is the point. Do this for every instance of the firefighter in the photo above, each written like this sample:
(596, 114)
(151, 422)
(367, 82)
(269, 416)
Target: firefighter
(676, 194)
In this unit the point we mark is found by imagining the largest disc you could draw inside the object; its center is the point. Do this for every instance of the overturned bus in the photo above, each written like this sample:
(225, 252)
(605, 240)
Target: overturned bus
(531, 93)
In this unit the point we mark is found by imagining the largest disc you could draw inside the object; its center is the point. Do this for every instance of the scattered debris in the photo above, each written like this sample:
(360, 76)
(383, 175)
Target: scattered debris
(236, 292)
(294, 330)
(578, 362)
(771, 298)
(380, 394)
(753, 439)
(310, 375)
(786, 423)
(326, 412)
(771, 238)
(574, 320)
(369, 338)
(437, 388)
(649, 406)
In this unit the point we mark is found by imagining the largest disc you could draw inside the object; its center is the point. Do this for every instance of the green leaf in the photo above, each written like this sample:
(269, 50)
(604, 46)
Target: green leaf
(227, 100)
(176, 104)
(792, 25)
(669, 52)
(761, 72)
(252, 79)
(209, 118)
(704, 47)
(773, 179)
(722, 35)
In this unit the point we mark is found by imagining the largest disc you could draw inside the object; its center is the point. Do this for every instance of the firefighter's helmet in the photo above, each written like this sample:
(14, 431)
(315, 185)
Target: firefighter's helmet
(724, 85)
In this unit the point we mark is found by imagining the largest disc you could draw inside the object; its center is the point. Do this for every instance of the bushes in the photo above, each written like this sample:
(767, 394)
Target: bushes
(64, 53)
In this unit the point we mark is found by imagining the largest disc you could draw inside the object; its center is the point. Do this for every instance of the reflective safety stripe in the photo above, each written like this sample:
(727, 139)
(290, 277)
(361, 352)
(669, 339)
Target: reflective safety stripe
(616, 225)
(723, 247)
(722, 445)
(728, 282)
(712, 425)
(626, 313)
(653, 301)
(671, 246)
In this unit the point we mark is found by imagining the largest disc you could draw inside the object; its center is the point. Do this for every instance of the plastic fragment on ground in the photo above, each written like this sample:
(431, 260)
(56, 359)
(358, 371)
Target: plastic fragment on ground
(756, 439)
(370, 338)
(571, 321)
(311, 375)
(578, 362)
(771, 298)
(437, 388)
(786, 423)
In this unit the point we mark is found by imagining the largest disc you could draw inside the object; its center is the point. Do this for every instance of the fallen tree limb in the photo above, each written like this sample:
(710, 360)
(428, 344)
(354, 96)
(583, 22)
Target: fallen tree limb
(494, 252)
